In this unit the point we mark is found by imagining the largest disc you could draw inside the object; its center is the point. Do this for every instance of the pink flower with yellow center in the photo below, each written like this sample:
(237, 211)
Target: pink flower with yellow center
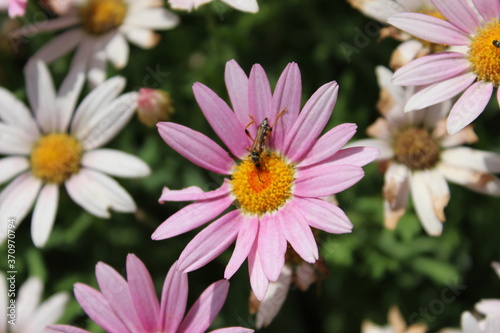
(474, 24)
(275, 179)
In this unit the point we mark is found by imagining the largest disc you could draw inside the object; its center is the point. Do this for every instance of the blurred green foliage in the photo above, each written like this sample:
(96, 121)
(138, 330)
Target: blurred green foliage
(370, 269)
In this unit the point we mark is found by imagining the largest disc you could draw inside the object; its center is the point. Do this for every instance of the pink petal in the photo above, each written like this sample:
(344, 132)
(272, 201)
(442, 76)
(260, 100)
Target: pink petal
(460, 14)
(117, 293)
(383, 146)
(192, 216)
(431, 68)
(271, 246)
(98, 309)
(17, 7)
(206, 308)
(287, 94)
(488, 9)
(322, 215)
(298, 233)
(258, 279)
(44, 214)
(173, 300)
(193, 193)
(233, 330)
(246, 237)
(196, 147)
(429, 28)
(311, 121)
(469, 106)
(210, 242)
(440, 91)
(328, 144)
(358, 156)
(259, 94)
(143, 293)
(63, 329)
(422, 200)
(222, 119)
(325, 179)
(237, 88)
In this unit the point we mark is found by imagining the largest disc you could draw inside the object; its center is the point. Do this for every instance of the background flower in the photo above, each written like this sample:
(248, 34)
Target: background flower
(243, 5)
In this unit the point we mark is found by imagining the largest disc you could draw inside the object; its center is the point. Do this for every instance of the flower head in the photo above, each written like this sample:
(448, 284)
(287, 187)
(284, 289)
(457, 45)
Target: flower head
(278, 166)
(29, 315)
(132, 306)
(153, 105)
(47, 151)
(474, 24)
(250, 6)
(419, 156)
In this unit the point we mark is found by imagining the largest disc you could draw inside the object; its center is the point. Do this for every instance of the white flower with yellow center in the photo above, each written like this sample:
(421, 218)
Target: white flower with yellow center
(44, 154)
(99, 30)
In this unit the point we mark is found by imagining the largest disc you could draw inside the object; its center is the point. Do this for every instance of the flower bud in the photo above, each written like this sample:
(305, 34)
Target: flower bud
(153, 106)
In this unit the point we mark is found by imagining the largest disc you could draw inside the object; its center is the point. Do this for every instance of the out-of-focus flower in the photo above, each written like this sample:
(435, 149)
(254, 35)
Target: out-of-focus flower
(419, 156)
(100, 29)
(153, 106)
(27, 315)
(282, 168)
(396, 325)
(46, 154)
(472, 325)
(132, 306)
(59, 7)
(490, 307)
(243, 5)
(447, 74)
(14, 7)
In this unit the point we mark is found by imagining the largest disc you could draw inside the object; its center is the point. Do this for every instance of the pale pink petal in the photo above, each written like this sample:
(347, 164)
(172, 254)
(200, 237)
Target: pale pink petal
(469, 106)
(429, 28)
(47, 313)
(117, 51)
(142, 37)
(17, 7)
(246, 238)
(143, 293)
(322, 215)
(250, 6)
(115, 163)
(379, 10)
(272, 245)
(192, 216)
(489, 307)
(311, 121)
(325, 179)
(258, 279)
(210, 242)
(237, 88)
(431, 68)
(464, 157)
(196, 147)
(59, 46)
(153, 18)
(96, 67)
(439, 190)
(383, 127)
(44, 214)
(384, 148)
(193, 193)
(205, 309)
(440, 91)
(460, 14)
(328, 144)
(63, 329)
(28, 298)
(358, 156)
(11, 166)
(298, 233)
(222, 119)
(13, 112)
(396, 191)
(469, 323)
(475, 180)
(233, 330)
(259, 95)
(117, 294)
(15, 141)
(173, 300)
(492, 324)
(488, 9)
(98, 309)
(287, 94)
(305, 275)
(465, 136)
(404, 53)
(55, 24)
(422, 200)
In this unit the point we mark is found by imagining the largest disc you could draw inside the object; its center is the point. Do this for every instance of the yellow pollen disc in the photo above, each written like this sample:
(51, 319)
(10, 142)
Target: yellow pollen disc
(101, 16)
(264, 189)
(416, 148)
(484, 55)
(55, 157)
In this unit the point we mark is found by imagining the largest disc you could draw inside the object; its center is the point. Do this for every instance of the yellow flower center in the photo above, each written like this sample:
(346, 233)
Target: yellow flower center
(484, 53)
(102, 16)
(416, 148)
(264, 189)
(55, 157)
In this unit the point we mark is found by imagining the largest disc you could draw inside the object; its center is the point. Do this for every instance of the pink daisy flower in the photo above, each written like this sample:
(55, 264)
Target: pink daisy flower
(132, 306)
(474, 24)
(250, 6)
(277, 187)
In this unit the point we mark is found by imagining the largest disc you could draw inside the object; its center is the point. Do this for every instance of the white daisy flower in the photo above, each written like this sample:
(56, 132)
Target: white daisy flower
(44, 154)
(29, 316)
(99, 30)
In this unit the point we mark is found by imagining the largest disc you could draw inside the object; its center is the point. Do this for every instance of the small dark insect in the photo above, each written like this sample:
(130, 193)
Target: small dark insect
(496, 43)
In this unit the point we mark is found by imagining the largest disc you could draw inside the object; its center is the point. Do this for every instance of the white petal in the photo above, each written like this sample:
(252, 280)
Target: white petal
(28, 299)
(96, 73)
(115, 163)
(141, 37)
(475, 180)
(47, 313)
(49, 25)
(117, 51)
(422, 200)
(440, 191)
(404, 53)
(44, 214)
(14, 140)
(469, 323)
(59, 46)
(11, 166)
(105, 125)
(474, 159)
(3, 301)
(14, 112)
(154, 19)
(384, 147)
(396, 191)
(250, 6)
